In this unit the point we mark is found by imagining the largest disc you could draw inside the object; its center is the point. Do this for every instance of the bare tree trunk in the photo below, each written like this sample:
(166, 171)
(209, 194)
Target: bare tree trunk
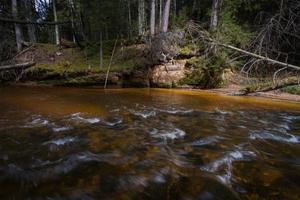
(101, 51)
(215, 15)
(175, 8)
(141, 17)
(57, 39)
(129, 20)
(160, 13)
(30, 27)
(18, 31)
(152, 20)
(166, 14)
(194, 6)
(71, 5)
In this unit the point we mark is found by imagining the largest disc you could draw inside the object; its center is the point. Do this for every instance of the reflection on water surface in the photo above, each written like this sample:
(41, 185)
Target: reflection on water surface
(59, 143)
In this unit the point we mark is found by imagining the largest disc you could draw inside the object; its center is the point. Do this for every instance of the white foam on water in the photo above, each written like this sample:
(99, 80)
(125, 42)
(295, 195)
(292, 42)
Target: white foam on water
(159, 178)
(61, 129)
(144, 114)
(78, 117)
(168, 134)
(175, 111)
(267, 135)
(291, 118)
(92, 120)
(37, 121)
(112, 124)
(226, 162)
(62, 141)
(207, 141)
(222, 112)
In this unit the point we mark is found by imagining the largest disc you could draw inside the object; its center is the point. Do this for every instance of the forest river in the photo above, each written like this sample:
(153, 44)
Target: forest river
(79, 143)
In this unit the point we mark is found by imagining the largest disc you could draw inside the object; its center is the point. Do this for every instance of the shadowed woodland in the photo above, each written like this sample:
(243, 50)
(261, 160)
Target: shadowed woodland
(257, 40)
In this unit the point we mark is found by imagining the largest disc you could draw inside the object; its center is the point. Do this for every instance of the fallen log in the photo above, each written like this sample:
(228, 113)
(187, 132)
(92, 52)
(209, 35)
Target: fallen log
(267, 59)
(17, 66)
(269, 86)
(204, 36)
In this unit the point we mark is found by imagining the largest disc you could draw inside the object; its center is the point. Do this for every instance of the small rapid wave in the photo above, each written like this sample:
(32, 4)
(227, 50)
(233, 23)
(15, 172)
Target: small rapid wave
(37, 121)
(207, 141)
(225, 163)
(61, 129)
(62, 141)
(219, 111)
(79, 117)
(143, 114)
(175, 111)
(53, 169)
(267, 135)
(115, 122)
(172, 134)
(94, 120)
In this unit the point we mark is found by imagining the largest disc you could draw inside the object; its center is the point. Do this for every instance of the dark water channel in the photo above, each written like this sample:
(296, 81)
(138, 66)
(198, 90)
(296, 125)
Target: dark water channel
(59, 143)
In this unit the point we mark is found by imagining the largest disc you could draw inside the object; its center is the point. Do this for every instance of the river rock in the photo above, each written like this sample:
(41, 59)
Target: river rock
(168, 74)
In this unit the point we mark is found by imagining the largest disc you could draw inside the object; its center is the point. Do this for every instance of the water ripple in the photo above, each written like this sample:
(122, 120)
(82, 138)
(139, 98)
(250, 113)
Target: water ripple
(267, 135)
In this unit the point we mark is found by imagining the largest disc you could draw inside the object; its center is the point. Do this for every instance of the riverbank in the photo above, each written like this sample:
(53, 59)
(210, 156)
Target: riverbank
(230, 90)
(130, 68)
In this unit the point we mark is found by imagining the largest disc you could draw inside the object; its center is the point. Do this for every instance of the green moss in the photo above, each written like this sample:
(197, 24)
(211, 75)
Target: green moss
(207, 72)
(254, 87)
(77, 81)
(74, 60)
(189, 49)
(295, 89)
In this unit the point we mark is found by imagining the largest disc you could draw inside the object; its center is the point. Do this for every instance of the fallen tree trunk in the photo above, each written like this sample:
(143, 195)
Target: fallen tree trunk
(17, 66)
(191, 27)
(259, 56)
(264, 58)
(269, 86)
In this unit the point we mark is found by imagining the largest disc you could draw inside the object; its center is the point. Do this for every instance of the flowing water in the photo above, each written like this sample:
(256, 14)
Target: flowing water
(67, 143)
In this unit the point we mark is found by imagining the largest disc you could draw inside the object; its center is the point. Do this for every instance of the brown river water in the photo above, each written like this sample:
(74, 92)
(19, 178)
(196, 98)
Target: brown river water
(78, 143)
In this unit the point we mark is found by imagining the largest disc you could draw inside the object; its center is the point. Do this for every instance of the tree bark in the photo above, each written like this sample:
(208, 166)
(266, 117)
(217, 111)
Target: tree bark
(101, 51)
(18, 31)
(129, 20)
(215, 15)
(71, 5)
(152, 20)
(30, 27)
(160, 13)
(166, 15)
(141, 20)
(57, 39)
(264, 58)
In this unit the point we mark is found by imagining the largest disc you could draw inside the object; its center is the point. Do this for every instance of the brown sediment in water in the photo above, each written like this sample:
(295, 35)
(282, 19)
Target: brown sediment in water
(62, 100)
(169, 143)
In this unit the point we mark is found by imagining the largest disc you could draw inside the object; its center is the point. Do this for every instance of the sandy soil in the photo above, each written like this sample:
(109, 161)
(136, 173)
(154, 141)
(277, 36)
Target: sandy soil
(233, 90)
